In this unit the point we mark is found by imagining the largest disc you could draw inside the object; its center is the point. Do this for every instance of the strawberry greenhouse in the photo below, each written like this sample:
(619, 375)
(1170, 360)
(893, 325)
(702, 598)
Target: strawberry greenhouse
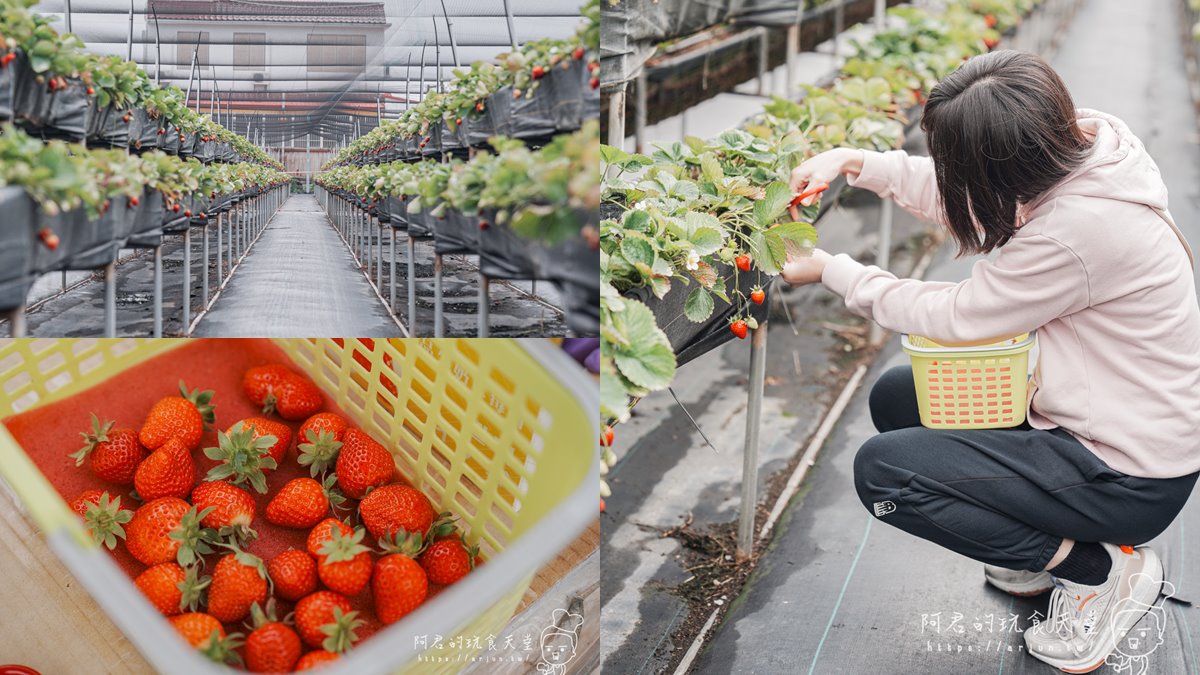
(193, 168)
(753, 155)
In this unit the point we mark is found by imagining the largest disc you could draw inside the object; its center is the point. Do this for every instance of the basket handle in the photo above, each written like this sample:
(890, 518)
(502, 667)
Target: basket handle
(35, 494)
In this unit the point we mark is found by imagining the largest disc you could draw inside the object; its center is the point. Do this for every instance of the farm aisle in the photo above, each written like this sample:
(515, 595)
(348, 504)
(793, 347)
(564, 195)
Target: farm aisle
(840, 593)
(269, 295)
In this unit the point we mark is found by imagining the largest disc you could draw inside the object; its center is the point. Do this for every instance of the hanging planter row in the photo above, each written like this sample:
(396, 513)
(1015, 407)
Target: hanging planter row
(693, 233)
(71, 208)
(51, 87)
(540, 90)
(528, 214)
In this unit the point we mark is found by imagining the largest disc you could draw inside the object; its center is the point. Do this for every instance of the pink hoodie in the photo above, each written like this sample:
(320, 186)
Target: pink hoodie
(1102, 277)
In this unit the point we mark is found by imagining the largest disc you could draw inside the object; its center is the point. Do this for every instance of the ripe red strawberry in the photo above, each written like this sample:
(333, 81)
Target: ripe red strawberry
(738, 328)
(990, 20)
(447, 560)
(281, 432)
(167, 529)
(303, 502)
(103, 516)
(232, 508)
(197, 628)
(396, 508)
(538, 72)
(184, 417)
(315, 659)
(742, 261)
(606, 436)
(594, 83)
(48, 238)
(324, 532)
(169, 471)
(343, 563)
(757, 295)
(294, 573)
(398, 586)
(272, 647)
(318, 441)
(86, 500)
(238, 581)
(325, 620)
(115, 453)
(172, 589)
(134, 201)
(363, 464)
(276, 388)
(577, 54)
(244, 456)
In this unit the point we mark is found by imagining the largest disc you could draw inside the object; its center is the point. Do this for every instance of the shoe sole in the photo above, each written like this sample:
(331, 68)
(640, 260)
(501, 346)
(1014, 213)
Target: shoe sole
(1145, 594)
(1020, 591)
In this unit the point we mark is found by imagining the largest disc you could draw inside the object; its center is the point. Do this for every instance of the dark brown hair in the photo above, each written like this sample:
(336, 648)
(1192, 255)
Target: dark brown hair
(1001, 131)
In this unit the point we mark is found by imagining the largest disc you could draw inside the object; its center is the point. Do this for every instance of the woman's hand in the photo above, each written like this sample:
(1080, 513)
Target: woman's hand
(823, 168)
(802, 270)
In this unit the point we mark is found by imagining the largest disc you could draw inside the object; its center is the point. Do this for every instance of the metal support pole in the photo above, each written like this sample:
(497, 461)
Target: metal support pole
(412, 285)
(884, 255)
(763, 58)
(129, 42)
(880, 15)
(379, 258)
(220, 272)
(110, 299)
(639, 113)
(392, 273)
(187, 278)
(204, 268)
(158, 291)
(616, 117)
(16, 322)
(437, 295)
(450, 32)
(793, 48)
(512, 33)
(485, 305)
(758, 369)
(839, 24)
(68, 17)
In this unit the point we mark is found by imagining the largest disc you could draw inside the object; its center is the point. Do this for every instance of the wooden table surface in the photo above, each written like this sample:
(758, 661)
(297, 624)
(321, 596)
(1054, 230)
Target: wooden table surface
(50, 623)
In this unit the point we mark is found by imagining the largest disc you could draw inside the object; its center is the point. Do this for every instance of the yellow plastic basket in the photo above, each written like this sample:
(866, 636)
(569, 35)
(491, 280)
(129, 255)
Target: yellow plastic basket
(981, 387)
(501, 432)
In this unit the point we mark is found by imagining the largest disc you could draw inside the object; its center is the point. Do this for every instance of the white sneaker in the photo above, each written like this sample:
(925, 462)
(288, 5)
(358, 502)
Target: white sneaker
(1085, 623)
(1018, 582)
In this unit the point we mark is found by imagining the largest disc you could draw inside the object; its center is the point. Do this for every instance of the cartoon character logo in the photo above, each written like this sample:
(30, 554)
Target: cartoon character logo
(1131, 654)
(558, 642)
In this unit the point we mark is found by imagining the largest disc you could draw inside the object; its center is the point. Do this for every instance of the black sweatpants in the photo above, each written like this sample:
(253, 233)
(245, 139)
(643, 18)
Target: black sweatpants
(1006, 497)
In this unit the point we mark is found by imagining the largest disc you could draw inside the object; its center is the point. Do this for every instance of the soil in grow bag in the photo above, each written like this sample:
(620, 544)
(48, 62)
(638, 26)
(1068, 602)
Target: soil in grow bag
(689, 339)
(49, 434)
(505, 255)
(18, 244)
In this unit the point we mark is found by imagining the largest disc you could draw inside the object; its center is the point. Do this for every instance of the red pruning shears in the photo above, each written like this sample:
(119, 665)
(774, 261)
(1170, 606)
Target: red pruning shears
(816, 190)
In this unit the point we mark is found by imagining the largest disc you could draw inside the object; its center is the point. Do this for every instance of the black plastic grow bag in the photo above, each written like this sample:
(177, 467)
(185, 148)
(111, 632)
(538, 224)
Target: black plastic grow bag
(398, 211)
(171, 140)
(690, 340)
(420, 225)
(205, 151)
(144, 131)
(556, 105)
(477, 128)
(77, 235)
(8, 86)
(456, 233)
(187, 146)
(147, 225)
(503, 254)
(18, 244)
(107, 233)
(227, 154)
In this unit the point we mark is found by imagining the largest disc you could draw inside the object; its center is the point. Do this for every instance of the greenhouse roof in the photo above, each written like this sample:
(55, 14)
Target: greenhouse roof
(290, 11)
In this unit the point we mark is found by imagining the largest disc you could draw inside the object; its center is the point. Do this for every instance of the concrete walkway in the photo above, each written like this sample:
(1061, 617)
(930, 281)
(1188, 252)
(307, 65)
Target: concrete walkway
(840, 593)
(298, 279)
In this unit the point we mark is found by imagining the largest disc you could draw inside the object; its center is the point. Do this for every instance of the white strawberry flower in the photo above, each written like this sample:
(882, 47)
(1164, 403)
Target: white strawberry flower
(693, 260)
